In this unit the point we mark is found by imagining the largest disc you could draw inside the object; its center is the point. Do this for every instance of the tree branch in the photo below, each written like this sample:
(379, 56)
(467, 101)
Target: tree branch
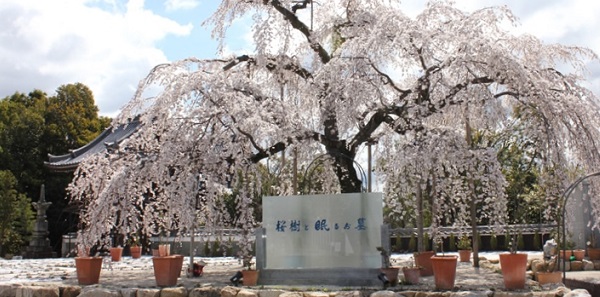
(300, 26)
(272, 65)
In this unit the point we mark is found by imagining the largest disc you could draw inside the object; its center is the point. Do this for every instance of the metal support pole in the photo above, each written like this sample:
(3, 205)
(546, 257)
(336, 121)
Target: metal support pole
(191, 267)
(369, 167)
(565, 197)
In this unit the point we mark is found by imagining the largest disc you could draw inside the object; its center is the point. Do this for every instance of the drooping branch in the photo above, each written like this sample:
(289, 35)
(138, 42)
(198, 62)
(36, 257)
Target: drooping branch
(281, 146)
(448, 99)
(273, 64)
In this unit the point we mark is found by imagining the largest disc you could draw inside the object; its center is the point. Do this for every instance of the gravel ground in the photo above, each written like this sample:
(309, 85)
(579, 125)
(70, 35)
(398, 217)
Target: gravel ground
(138, 273)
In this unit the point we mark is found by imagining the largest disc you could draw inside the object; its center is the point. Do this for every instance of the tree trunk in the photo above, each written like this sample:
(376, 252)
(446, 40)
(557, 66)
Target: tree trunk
(420, 245)
(345, 171)
(473, 202)
(474, 232)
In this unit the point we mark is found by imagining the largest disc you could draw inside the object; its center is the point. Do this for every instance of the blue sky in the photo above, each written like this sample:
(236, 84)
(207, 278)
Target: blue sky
(110, 45)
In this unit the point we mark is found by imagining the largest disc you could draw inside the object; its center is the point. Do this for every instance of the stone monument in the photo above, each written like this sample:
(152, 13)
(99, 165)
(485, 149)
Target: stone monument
(39, 246)
(321, 240)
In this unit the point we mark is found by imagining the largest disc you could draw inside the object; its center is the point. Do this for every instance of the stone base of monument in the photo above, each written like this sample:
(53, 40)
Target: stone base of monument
(347, 277)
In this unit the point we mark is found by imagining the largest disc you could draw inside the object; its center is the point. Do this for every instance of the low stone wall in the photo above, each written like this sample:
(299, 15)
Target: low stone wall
(12, 290)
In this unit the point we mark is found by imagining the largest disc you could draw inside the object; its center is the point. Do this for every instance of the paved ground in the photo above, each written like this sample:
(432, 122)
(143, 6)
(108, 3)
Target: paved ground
(138, 273)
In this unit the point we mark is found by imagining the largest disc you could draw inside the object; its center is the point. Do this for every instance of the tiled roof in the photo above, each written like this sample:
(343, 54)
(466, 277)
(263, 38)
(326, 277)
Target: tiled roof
(112, 135)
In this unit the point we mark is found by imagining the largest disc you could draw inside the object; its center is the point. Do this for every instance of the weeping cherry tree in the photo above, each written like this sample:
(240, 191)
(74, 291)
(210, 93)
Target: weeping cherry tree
(327, 78)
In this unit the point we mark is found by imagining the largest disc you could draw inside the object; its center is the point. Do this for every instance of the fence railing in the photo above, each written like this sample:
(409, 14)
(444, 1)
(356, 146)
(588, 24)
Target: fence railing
(484, 230)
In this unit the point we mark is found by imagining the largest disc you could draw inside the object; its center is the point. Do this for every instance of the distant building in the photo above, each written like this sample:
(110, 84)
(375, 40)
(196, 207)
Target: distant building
(109, 137)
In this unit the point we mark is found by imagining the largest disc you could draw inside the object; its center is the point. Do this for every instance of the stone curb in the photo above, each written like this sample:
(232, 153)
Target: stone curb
(13, 290)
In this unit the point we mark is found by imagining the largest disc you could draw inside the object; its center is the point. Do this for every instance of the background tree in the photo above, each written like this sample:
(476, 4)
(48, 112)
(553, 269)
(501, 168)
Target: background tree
(462, 185)
(22, 123)
(16, 216)
(358, 72)
(30, 129)
(71, 120)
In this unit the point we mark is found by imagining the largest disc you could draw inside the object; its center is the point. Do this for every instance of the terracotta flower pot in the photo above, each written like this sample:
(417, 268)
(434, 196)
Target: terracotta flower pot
(249, 277)
(136, 252)
(167, 269)
(412, 275)
(464, 255)
(88, 270)
(423, 260)
(593, 253)
(444, 271)
(579, 254)
(514, 268)
(543, 278)
(116, 253)
(392, 275)
(566, 254)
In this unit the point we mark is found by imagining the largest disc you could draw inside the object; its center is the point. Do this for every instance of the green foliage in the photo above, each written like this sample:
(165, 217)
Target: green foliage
(518, 156)
(206, 249)
(397, 245)
(494, 242)
(72, 118)
(16, 215)
(464, 243)
(426, 242)
(229, 247)
(20, 138)
(33, 126)
(520, 241)
(412, 243)
(452, 242)
(537, 241)
(507, 238)
(216, 248)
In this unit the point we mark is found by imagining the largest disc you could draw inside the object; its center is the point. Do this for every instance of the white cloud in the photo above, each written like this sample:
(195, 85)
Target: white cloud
(110, 45)
(172, 5)
(44, 44)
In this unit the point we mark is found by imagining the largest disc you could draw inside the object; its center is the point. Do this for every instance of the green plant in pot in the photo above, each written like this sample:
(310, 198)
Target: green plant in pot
(444, 268)
(592, 251)
(134, 247)
(249, 275)
(513, 266)
(391, 273)
(464, 248)
(412, 273)
(545, 271)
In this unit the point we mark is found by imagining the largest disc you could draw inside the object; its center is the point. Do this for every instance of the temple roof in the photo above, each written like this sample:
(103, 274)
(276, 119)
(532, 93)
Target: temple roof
(110, 136)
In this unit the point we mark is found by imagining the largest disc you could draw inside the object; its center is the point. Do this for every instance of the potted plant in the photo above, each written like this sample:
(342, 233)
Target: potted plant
(592, 251)
(115, 253)
(514, 267)
(566, 249)
(249, 275)
(390, 272)
(464, 248)
(423, 260)
(579, 254)
(412, 273)
(88, 267)
(546, 272)
(167, 269)
(154, 248)
(444, 270)
(134, 248)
